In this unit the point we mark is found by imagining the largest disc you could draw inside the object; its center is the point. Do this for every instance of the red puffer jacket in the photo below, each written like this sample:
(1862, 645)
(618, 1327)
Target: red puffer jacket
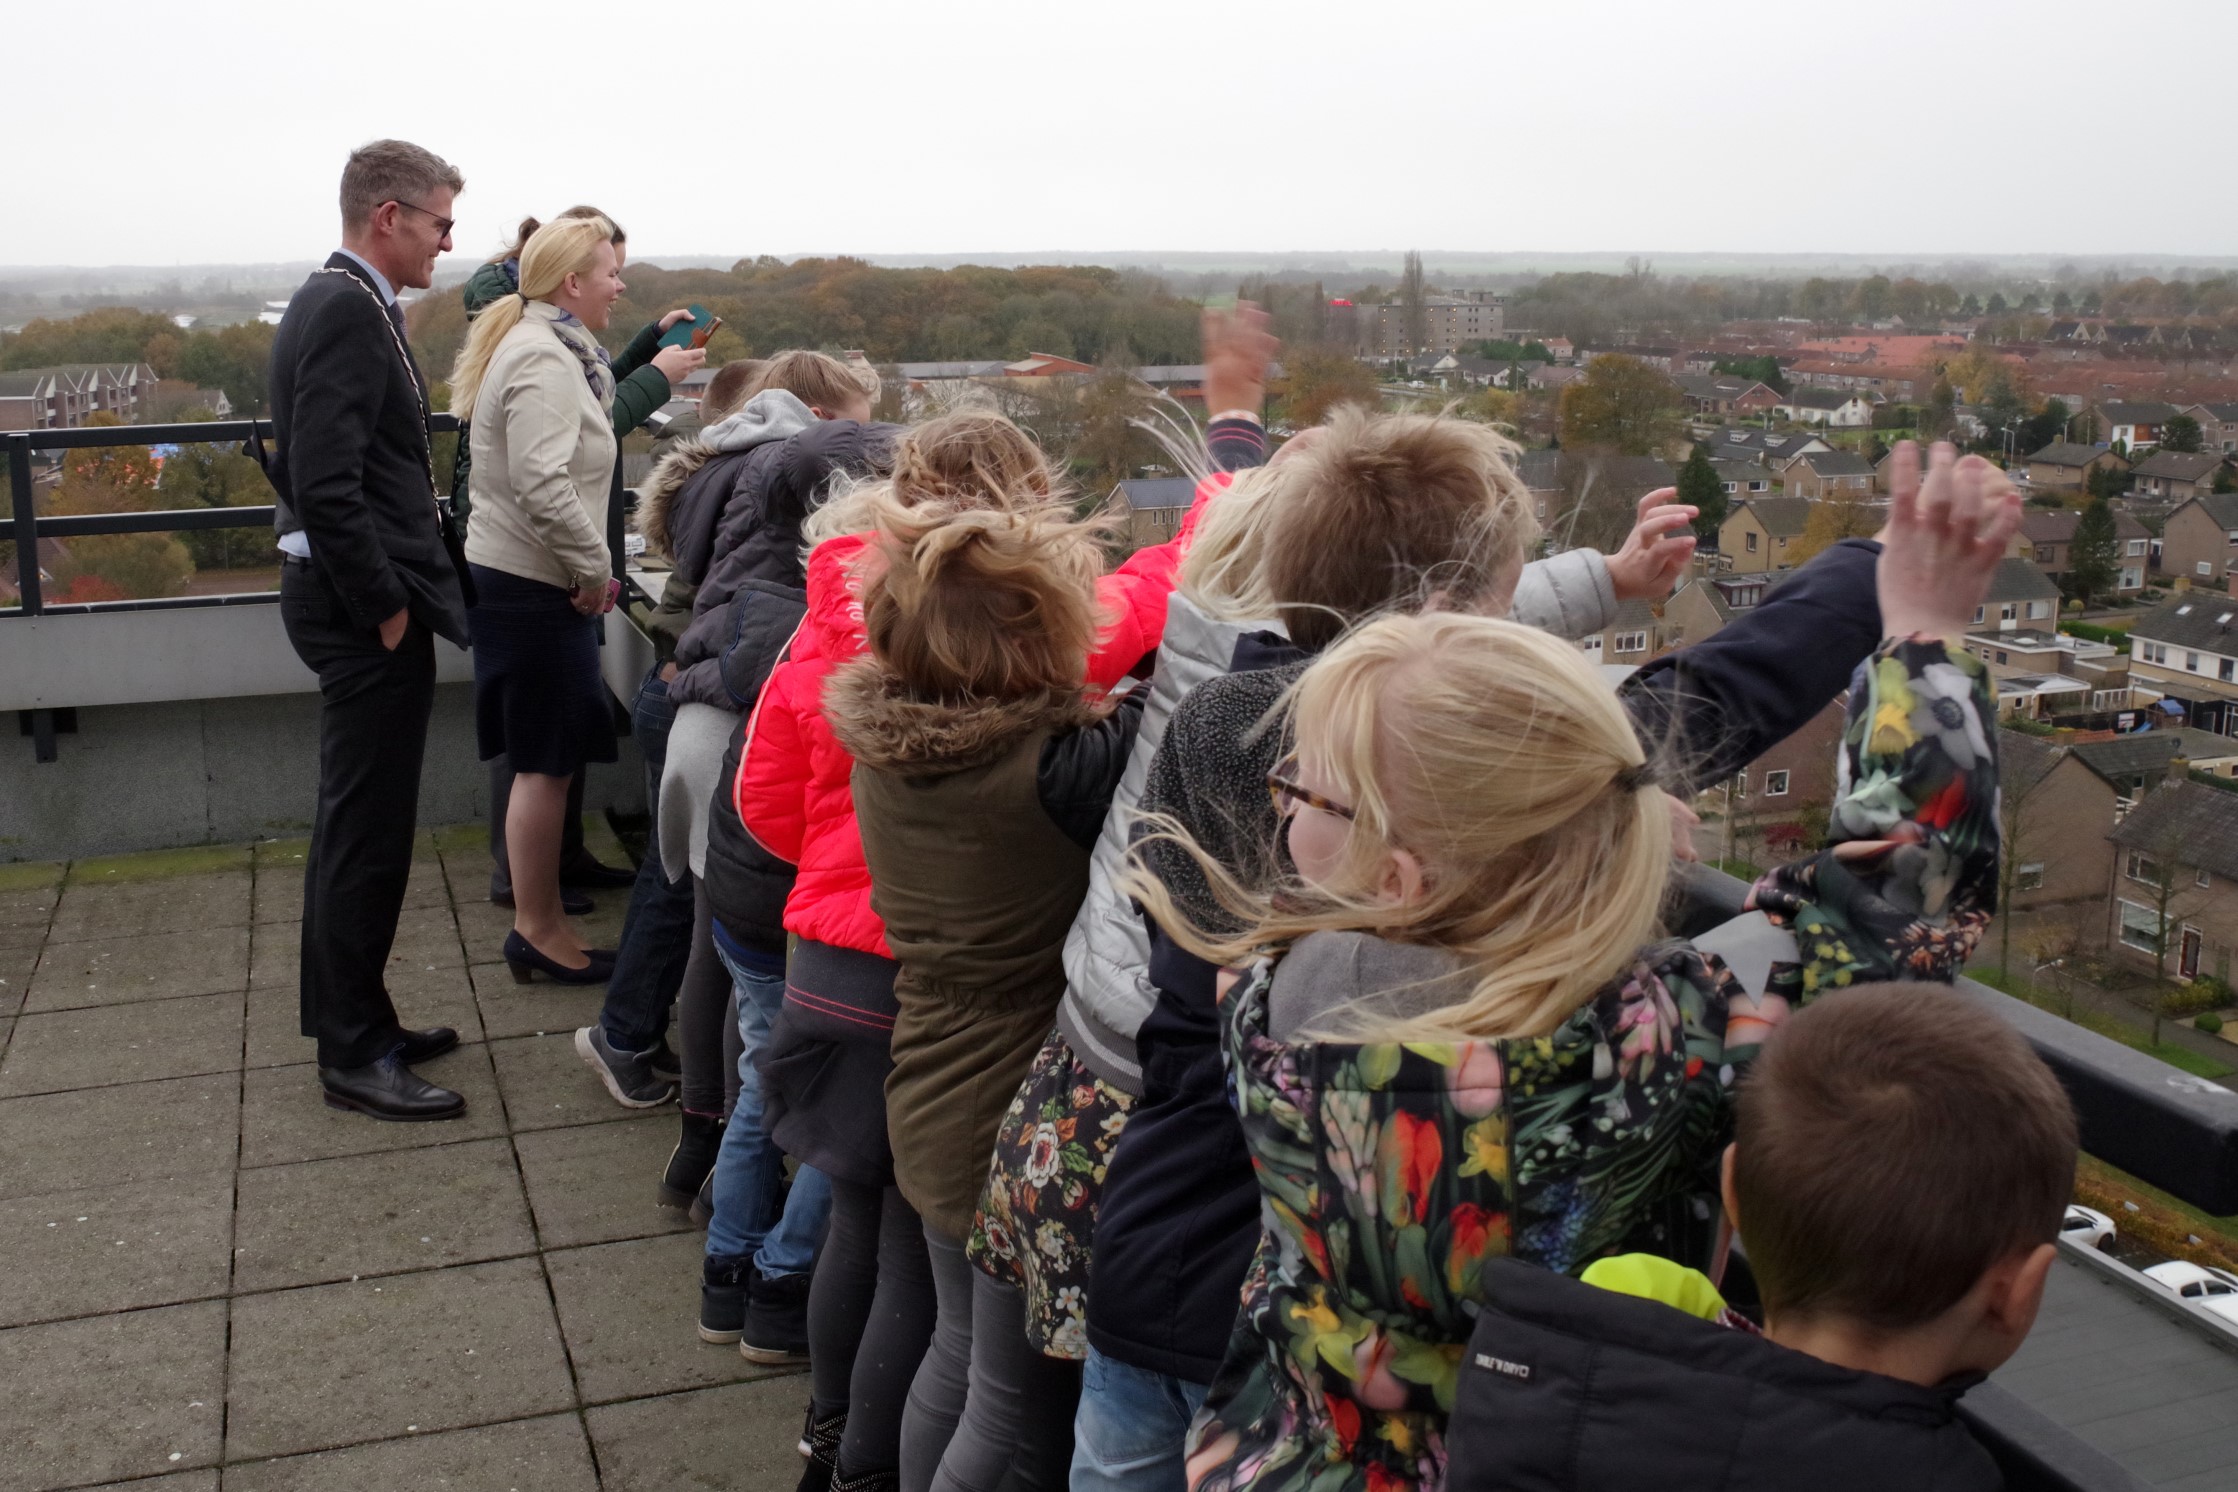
(792, 791)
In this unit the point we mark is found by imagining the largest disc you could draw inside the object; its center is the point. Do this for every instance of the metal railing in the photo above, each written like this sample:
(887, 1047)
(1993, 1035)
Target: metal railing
(26, 526)
(2163, 1126)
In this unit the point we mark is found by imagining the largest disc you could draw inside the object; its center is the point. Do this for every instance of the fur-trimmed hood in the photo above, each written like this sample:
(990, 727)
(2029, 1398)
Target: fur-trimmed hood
(771, 415)
(886, 730)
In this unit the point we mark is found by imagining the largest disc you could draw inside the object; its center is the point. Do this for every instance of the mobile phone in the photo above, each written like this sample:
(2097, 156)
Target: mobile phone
(683, 332)
(713, 325)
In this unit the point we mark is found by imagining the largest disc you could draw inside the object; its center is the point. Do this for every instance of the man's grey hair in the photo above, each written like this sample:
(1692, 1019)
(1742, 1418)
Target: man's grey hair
(392, 171)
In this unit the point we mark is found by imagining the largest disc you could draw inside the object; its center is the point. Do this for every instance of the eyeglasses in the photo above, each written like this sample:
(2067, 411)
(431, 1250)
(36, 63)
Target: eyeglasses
(1288, 795)
(443, 225)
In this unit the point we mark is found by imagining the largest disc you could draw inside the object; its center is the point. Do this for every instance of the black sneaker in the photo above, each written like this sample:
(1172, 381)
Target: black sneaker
(692, 1163)
(629, 1076)
(776, 1329)
(722, 1297)
(664, 1062)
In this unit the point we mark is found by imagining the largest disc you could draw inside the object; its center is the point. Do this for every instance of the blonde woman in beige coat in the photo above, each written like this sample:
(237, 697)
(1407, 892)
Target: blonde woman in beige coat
(538, 388)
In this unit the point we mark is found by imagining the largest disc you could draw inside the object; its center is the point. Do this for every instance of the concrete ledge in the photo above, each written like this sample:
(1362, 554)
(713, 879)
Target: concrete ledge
(81, 659)
(154, 657)
(215, 771)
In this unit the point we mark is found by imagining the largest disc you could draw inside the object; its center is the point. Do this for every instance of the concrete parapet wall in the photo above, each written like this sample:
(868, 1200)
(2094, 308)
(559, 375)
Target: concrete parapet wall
(216, 771)
(200, 726)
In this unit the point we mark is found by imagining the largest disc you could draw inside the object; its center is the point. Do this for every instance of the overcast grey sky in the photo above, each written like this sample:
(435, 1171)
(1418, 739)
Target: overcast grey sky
(180, 133)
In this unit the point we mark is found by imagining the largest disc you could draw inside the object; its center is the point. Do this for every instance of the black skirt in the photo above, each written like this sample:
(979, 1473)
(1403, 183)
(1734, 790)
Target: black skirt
(539, 701)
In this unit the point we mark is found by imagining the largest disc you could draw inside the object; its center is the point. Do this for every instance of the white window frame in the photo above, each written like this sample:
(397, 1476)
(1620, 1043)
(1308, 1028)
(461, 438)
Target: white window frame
(2136, 548)
(2029, 877)
(1775, 783)
(2204, 568)
(2154, 940)
(2141, 868)
(2203, 880)
(1631, 642)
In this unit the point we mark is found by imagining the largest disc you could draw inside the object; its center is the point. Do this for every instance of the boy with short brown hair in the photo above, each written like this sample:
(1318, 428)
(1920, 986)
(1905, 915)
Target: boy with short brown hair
(1900, 1165)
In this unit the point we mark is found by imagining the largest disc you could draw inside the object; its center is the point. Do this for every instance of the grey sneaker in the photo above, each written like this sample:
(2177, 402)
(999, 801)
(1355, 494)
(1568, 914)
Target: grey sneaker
(627, 1075)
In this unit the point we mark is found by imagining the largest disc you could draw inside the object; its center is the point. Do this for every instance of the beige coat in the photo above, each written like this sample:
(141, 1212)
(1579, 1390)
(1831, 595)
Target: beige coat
(543, 462)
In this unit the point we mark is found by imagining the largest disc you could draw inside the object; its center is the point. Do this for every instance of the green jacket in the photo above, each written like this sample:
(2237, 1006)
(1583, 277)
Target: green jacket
(639, 387)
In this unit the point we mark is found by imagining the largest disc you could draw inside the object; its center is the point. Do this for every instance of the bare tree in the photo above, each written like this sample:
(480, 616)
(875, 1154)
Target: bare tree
(2156, 857)
(1414, 303)
(2024, 766)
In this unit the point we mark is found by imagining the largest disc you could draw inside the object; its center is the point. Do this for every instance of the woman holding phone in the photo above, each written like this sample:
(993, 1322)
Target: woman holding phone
(540, 390)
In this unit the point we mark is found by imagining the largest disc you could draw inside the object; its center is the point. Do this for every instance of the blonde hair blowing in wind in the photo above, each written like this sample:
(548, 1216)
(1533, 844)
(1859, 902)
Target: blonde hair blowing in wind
(562, 247)
(965, 603)
(972, 458)
(1496, 755)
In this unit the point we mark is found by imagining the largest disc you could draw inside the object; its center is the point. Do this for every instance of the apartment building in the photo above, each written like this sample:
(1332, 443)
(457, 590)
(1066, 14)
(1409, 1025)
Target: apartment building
(1448, 322)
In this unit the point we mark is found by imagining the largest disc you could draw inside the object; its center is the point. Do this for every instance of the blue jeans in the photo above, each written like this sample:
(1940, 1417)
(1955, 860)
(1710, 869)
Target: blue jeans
(750, 1169)
(1132, 1426)
(657, 928)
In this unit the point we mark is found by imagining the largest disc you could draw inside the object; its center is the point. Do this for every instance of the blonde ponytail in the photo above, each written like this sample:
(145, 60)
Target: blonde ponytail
(563, 247)
(1496, 756)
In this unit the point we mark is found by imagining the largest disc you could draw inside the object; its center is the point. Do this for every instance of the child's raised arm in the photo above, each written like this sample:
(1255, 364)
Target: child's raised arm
(1909, 877)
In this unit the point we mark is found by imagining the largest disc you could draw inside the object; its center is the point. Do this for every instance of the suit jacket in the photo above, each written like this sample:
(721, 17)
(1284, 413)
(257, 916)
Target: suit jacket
(349, 407)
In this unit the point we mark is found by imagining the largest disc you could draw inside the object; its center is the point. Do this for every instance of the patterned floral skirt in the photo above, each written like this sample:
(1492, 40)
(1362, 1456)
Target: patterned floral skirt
(1037, 1216)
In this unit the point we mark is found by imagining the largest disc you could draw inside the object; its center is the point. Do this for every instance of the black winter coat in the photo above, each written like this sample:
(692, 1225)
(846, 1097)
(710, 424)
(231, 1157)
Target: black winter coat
(738, 519)
(747, 886)
(1180, 1211)
(1569, 1388)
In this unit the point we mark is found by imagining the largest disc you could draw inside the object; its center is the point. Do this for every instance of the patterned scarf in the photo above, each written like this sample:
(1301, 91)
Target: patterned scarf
(598, 368)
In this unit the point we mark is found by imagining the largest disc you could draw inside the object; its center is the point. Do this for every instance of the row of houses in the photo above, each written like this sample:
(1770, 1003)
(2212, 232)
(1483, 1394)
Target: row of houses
(65, 397)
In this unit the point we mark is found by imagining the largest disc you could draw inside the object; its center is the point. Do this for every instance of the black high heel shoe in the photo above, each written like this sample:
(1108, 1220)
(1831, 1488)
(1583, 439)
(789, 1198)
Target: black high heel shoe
(522, 958)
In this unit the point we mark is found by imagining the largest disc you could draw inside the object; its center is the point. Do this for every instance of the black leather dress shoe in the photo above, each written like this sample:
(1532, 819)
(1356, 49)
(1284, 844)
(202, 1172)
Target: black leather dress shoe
(592, 874)
(419, 1046)
(573, 903)
(387, 1089)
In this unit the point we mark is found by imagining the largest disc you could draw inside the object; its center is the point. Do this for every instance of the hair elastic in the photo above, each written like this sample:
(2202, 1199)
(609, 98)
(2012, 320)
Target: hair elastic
(1633, 779)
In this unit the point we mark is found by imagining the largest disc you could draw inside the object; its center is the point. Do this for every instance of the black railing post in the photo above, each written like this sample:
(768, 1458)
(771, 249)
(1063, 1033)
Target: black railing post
(26, 525)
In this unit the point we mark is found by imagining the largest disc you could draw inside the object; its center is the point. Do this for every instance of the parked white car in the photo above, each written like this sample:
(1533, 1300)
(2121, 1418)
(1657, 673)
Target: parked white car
(2087, 1226)
(2214, 1289)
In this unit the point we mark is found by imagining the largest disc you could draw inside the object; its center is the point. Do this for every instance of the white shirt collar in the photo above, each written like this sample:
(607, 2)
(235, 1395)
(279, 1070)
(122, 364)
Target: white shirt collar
(380, 281)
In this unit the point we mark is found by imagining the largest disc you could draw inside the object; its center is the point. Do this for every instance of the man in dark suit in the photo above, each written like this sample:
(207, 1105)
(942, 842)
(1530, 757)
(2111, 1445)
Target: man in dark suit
(367, 584)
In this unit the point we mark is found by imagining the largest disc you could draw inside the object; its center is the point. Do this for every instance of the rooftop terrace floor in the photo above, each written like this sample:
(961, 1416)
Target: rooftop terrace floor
(209, 1279)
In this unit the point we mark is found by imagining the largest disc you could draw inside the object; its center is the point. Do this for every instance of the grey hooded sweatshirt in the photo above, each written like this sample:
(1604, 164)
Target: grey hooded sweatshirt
(1108, 993)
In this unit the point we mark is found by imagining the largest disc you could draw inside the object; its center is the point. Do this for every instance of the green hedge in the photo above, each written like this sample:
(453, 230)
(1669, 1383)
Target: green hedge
(2210, 1023)
(2091, 632)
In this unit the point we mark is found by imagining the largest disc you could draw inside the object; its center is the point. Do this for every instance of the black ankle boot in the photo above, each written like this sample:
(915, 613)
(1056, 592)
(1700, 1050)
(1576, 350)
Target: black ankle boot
(819, 1439)
(693, 1159)
(722, 1297)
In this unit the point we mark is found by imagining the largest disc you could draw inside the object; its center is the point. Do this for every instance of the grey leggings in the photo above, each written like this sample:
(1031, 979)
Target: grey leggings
(870, 1314)
(986, 1410)
(707, 1043)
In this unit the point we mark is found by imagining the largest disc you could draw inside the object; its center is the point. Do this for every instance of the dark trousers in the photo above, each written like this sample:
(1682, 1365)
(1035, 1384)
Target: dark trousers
(501, 794)
(870, 1317)
(372, 737)
(657, 929)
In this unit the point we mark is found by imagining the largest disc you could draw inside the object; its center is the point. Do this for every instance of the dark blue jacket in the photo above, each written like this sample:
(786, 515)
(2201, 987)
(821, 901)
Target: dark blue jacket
(1180, 1211)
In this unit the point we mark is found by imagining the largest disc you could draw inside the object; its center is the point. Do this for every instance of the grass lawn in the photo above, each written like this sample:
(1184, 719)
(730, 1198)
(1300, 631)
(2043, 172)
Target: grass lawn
(2106, 1025)
(2160, 1219)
